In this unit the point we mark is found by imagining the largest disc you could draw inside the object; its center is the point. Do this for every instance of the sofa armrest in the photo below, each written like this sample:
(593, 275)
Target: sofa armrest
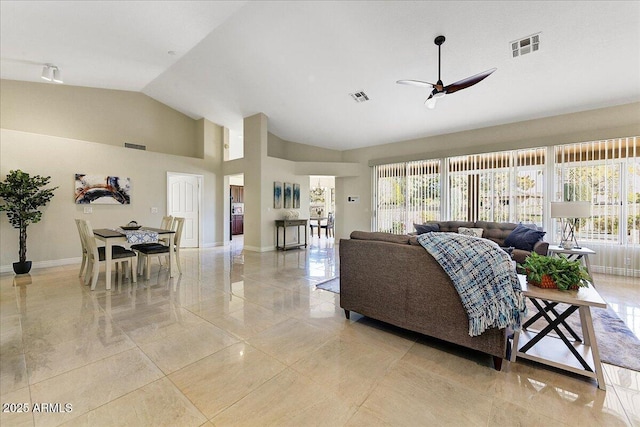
(541, 247)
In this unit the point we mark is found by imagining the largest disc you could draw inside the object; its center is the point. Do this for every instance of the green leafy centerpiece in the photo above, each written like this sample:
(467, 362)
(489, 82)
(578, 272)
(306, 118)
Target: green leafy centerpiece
(555, 272)
(23, 196)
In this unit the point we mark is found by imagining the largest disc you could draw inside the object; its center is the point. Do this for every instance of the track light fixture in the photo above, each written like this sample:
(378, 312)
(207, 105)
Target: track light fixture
(51, 73)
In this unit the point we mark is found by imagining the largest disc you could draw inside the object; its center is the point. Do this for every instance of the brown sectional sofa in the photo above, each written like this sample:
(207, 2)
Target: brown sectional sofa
(496, 232)
(392, 278)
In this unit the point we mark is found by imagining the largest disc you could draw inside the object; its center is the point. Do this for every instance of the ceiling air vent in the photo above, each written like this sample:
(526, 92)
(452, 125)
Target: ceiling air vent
(525, 45)
(135, 146)
(359, 96)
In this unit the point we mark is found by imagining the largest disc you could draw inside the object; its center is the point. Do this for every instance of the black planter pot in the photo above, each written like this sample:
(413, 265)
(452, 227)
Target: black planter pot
(22, 267)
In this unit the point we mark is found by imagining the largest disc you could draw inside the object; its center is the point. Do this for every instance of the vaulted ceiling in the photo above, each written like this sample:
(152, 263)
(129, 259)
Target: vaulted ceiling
(298, 62)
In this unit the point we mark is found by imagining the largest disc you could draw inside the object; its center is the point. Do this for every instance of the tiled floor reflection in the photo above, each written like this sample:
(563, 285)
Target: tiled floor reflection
(245, 338)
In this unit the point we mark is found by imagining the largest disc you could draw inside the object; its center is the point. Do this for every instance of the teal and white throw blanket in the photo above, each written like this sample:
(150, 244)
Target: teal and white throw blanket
(484, 276)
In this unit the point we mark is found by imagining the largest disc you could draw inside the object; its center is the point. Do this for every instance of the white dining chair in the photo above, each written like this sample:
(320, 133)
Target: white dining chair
(84, 247)
(165, 224)
(328, 227)
(95, 255)
(85, 256)
(147, 250)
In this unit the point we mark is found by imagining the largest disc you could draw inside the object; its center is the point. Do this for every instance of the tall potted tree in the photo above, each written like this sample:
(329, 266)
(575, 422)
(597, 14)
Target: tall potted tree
(23, 195)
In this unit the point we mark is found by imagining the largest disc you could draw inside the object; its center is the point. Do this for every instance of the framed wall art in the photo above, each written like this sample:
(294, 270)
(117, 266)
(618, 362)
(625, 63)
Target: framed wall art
(288, 195)
(102, 190)
(277, 195)
(296, 196)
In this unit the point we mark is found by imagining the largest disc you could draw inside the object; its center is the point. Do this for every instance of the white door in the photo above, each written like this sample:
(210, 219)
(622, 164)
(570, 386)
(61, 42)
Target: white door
(184, 201)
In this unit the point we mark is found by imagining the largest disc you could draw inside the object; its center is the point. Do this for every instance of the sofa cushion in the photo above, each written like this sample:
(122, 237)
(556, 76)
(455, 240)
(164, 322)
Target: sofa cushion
(426, 228)
(523, 237)
(474, 232)
(380, 236)
(452, 226)
(496, 231)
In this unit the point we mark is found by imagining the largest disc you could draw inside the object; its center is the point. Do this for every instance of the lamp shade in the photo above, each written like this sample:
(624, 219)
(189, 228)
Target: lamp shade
(570, 209)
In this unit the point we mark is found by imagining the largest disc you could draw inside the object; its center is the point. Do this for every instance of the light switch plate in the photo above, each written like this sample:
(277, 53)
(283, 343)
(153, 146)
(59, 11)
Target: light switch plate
(88, 209)
(154, 210)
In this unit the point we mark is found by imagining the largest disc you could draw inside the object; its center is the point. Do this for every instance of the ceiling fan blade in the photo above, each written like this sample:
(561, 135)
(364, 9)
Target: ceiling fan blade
(469, 81)
(418, 83)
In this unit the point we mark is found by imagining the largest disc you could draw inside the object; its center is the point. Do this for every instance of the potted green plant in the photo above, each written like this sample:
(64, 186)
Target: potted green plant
(555, 272)
(23, 195)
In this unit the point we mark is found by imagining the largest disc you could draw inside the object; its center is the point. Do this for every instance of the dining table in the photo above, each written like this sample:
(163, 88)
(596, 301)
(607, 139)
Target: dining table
(318, 222)
(112, 237)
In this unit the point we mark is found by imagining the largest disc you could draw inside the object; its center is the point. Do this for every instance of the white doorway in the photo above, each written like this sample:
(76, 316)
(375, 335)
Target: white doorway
(184, 195)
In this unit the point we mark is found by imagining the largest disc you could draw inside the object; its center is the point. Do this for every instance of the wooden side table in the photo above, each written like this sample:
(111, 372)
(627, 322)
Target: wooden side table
(284, 223)
(579, 356)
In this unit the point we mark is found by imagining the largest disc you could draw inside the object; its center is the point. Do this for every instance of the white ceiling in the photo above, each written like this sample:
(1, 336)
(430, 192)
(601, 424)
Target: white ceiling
(297, 62)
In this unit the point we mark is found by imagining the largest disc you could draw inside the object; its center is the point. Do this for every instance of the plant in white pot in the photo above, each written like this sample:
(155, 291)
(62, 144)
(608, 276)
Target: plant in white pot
(23, 196)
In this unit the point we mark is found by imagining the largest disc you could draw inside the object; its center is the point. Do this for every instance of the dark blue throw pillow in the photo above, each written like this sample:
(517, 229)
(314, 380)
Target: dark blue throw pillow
(523, 237)
(426, 228)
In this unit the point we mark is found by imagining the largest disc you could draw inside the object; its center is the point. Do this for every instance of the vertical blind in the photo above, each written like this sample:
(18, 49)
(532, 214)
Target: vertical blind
(406, 193)
(510, 186)
(507, 186)
(607, 174)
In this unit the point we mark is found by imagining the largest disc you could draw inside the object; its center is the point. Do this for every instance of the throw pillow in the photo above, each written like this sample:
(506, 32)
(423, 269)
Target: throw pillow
(531, 226)
(426, 228)
(475, 232)
(523, 237)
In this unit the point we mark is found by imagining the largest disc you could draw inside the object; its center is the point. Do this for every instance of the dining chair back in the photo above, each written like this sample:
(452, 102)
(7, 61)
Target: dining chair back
(146, 251)
(84, 247)
(328, 227)
(96, 254)
(167, 222)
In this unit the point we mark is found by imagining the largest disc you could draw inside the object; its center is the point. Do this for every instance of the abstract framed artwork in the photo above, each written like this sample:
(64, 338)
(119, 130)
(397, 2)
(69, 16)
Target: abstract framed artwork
(288, 195)
(277, 195)
(296, 196)
(103, 190)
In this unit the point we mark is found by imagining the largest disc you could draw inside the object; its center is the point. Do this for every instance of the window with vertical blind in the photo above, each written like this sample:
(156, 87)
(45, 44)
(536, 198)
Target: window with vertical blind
(406, 193)
(607, 174)
(510, 186)
(506, 187)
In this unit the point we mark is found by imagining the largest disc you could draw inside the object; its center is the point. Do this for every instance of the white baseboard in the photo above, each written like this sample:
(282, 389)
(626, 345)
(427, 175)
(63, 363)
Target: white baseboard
(615, 271)
(45, 264)
(214, 245)
(259, 249)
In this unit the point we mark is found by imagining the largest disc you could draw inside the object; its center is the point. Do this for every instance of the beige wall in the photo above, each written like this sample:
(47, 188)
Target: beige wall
(100, 115)
(278, 147)
(604, 123)
(619, 121)
(282, 171)
(54, 240)
(261, 171)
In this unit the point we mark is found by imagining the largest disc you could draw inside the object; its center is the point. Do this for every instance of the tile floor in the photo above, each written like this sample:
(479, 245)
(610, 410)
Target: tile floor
(244, 338)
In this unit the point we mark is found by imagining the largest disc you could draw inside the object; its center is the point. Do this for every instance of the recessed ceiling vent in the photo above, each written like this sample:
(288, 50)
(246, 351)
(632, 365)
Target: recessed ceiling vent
(359, 96)
(526, 45)
(135, 146)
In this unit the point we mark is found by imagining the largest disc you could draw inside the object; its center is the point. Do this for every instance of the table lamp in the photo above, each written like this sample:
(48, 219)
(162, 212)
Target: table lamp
(569, 212)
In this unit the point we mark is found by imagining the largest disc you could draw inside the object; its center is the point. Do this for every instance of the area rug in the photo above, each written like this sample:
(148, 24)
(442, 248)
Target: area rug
(617, 343)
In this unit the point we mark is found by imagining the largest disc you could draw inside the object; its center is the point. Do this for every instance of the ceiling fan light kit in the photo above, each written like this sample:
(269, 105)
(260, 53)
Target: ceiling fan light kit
(51, 73)
(439, 89)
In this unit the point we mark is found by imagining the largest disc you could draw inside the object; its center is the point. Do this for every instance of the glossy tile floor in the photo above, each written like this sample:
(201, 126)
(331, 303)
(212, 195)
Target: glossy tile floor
(244, 338)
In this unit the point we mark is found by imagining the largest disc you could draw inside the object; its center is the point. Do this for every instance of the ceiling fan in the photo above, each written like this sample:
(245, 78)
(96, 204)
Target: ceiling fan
(439, 89)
